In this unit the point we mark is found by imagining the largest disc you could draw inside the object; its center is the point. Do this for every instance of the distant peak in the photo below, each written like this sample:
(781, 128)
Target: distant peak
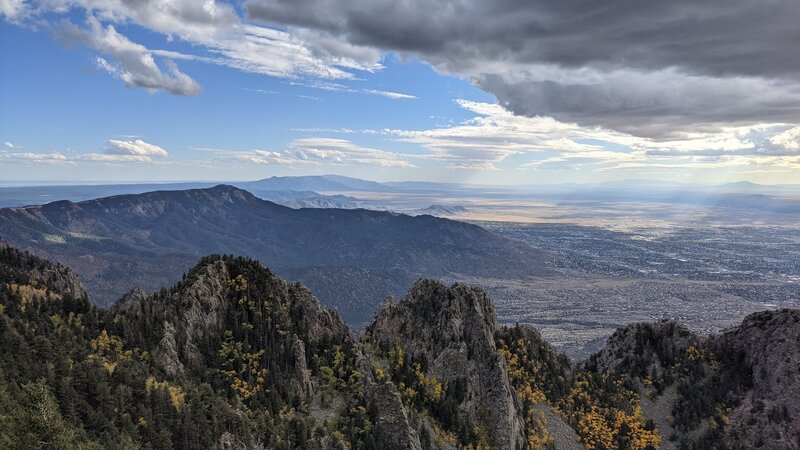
(61, 204)
(224, 188)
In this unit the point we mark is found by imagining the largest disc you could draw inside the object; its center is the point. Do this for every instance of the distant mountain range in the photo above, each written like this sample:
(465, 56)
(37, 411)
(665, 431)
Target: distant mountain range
(319, 183)
(352, 258)
(295, 192)
(277, 189)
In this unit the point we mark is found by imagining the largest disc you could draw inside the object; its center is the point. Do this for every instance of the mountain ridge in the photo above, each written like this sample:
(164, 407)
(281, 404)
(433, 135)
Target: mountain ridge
(147, 240)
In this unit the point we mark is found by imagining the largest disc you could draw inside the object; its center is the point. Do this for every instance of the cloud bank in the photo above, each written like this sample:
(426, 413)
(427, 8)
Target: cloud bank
(653, 69)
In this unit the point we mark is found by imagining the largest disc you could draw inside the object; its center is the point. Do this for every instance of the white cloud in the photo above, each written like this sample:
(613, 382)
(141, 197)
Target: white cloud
(496, 139)
(323, 151)
(217, 26)
(343, 151)
(338, 87)
(216, 31)
(789, 139)
(7, 144)
(12, 9)
(493, 136)
(102, 157)
(265, 157)
(131, 150)
(132, 63)
(218, 35)
(390, 94)
(271, 52)
(575, 160)
(133, 147)
(41, 158)
(472, 165)
(115, 151)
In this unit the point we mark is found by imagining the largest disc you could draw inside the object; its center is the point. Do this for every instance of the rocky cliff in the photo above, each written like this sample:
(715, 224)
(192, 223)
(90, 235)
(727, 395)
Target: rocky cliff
(768, 413)
(232, 315)
(449, 333)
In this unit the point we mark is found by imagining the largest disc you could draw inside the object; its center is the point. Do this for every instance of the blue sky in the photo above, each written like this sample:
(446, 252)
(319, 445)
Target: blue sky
(89, 94)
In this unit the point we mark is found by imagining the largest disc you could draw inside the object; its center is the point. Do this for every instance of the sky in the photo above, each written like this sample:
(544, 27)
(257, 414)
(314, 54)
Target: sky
(502, 92)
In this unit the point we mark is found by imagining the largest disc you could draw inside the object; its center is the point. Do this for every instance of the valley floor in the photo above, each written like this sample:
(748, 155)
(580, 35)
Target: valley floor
(578, 313)
(706, 276)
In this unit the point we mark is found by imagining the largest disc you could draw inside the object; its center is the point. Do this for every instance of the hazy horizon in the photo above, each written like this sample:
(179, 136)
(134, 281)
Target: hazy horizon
(37, 183)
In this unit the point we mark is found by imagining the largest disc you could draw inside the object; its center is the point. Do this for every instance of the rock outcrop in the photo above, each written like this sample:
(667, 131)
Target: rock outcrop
(222, 294)
(768, 415)
(451, 330)
(132, 298)
(392, 416)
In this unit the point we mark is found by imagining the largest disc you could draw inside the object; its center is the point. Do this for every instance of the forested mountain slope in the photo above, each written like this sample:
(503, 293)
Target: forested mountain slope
(232, 357)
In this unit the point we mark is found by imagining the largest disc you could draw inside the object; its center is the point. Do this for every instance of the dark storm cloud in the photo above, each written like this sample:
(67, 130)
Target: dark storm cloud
(656, 104)
(616, 63)
(720, 37)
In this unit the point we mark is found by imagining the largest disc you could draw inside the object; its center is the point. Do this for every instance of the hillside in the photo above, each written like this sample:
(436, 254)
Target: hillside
(307, 199)
(233, 357)
(148, 240)
(732, 390)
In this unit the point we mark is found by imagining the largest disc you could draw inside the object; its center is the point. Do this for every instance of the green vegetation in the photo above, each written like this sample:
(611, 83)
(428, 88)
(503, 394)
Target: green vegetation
(537, 374)
(602, 410)
(74, 376)
(426, 395)
(709, 383)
